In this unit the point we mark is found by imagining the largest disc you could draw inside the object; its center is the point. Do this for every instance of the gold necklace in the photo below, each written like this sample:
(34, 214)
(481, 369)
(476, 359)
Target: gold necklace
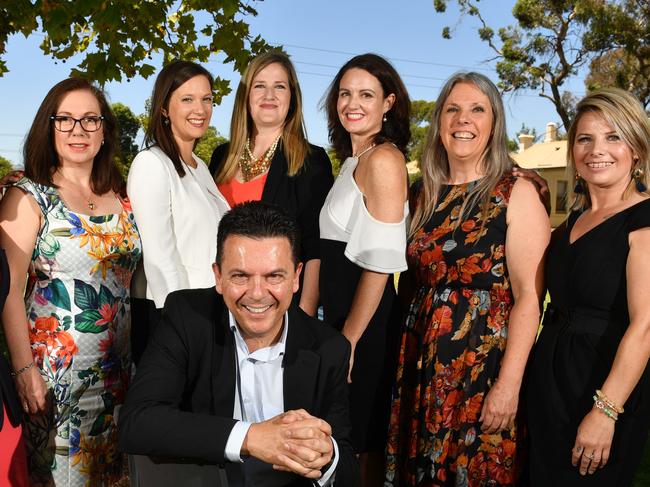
(252, 167)
(89, 201)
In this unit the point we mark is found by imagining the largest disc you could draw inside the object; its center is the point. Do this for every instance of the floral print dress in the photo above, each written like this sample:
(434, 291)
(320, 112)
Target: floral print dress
(77, 303)
(451, 350)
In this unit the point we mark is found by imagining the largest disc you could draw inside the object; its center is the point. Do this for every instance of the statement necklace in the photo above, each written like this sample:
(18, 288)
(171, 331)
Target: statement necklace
(252, 167)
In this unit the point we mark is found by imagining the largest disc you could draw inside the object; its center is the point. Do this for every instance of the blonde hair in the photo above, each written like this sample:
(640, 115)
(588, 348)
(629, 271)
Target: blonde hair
(495, 161)
(294, 141)
(625, 114)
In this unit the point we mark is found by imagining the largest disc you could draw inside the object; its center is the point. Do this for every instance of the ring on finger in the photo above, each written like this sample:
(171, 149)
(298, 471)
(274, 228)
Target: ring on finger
(590, 456)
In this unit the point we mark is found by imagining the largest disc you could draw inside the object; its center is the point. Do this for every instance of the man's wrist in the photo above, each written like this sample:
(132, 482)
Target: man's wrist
(236, 444)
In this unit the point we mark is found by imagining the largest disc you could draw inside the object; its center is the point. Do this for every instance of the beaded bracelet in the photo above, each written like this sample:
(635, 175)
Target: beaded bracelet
(604, 407)
(16, 373)
(609, 402)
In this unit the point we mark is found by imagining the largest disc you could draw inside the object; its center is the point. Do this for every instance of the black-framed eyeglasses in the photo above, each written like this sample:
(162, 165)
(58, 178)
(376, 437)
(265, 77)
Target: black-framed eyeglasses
(66, 123)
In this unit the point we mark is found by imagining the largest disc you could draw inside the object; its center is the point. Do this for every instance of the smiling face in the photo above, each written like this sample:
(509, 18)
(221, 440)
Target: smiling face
(257, 278)
(190, 109)
(78, 146)
(361, 103)
(601, 156)
(466, 123)
(269, 97)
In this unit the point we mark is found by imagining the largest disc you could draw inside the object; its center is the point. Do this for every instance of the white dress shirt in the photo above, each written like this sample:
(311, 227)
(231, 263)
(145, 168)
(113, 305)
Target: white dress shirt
(259, 393)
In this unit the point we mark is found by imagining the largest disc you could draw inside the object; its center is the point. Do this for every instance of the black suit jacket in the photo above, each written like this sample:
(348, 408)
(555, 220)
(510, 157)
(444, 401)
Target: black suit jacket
(181, 401)
(301, 195)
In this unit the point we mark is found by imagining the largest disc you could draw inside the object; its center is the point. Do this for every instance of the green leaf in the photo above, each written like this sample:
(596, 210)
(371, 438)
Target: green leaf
(85, 296)
(86, 322)
(66, 322)
(101, 424)
(101, 219)
(60, 296)
(61, 232)
(105, 296)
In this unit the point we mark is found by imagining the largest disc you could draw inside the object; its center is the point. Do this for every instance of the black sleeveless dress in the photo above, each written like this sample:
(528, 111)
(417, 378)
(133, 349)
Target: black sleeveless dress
(583, 327)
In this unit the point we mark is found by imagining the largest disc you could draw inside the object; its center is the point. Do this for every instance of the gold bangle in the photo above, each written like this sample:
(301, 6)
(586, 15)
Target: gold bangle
(16, 373)
(609, 402)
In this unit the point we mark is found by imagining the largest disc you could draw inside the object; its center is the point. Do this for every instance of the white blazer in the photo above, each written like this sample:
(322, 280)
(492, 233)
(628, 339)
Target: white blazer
(177, 219)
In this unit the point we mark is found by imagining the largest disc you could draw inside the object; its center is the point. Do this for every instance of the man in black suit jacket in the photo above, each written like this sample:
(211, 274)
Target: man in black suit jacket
(194, 382)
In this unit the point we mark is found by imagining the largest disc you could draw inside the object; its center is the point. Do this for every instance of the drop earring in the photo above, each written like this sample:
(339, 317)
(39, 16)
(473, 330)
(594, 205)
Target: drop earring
(578, 188)
(637, 175)
(385, 118)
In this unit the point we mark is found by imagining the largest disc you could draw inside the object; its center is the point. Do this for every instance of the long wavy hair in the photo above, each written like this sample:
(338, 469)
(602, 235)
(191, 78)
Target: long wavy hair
(494, 163)
(625, 114)
(158, 132)
(294, 140)
(39, 150)
(396, 129)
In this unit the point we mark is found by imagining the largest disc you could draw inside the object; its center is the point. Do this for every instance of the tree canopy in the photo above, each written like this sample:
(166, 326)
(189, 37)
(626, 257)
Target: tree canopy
(421, 114)
(209, 143)
(554, 39)
(128, 125)
(117, 38)
(5, 166)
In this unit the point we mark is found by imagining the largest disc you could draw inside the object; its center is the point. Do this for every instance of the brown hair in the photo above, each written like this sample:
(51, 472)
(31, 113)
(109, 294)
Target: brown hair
(396, 129)
(294, 140)
(39, 150)
(495, 160)
(158, 133)
(625, 114)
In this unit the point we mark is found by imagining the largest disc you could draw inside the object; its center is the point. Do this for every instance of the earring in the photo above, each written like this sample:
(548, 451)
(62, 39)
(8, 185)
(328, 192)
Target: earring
(102, 141)
(165, 121)
(385, 117)
(578, 188)
(637, 175)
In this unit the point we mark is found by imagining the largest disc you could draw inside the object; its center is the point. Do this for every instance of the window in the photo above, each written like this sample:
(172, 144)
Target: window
(561, 194)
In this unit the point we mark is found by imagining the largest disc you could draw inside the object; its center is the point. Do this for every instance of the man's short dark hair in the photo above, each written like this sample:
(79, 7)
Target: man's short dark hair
(257, 220)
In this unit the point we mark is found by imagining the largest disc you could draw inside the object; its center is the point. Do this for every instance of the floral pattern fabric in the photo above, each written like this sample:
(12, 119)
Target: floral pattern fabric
(452, 345)
(77, 303)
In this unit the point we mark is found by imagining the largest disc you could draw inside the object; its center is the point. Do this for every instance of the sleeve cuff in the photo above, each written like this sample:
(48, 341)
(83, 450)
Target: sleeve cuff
(327, 478)
(236, 440)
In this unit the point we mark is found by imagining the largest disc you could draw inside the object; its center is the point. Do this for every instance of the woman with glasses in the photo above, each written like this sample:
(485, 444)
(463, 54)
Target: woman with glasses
(175, 200)
(67, 228)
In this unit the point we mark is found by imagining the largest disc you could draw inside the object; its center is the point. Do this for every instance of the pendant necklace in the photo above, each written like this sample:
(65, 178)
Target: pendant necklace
(89, 202)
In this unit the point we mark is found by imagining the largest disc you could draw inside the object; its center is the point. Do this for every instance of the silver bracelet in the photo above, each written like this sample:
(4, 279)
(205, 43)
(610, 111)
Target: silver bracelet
(16, 373)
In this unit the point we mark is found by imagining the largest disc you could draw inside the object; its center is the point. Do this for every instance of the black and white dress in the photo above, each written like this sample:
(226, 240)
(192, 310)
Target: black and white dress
(351, 241)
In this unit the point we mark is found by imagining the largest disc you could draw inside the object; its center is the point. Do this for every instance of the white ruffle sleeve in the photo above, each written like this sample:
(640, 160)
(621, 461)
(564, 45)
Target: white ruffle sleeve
(375, 245)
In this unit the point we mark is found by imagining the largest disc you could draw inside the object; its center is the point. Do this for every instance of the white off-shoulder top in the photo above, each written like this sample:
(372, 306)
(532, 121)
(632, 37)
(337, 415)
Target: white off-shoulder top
(371, 244)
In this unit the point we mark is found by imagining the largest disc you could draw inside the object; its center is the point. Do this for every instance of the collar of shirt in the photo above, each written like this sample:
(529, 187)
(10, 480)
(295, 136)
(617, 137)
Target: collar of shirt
(266, 354)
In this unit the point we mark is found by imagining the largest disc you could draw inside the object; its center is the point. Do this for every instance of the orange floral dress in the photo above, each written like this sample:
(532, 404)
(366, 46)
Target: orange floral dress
(451, 350)
(77, 303)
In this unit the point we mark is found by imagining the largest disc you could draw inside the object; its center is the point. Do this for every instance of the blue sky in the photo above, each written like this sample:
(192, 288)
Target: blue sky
(320, 36)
